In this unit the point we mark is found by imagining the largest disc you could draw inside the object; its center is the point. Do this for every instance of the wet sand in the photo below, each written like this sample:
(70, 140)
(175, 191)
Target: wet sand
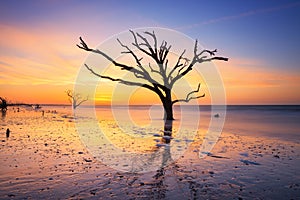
(44, 159)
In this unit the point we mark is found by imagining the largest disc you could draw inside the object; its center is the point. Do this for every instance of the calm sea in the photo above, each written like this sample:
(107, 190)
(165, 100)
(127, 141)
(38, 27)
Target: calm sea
(282, 122)
(276, 121)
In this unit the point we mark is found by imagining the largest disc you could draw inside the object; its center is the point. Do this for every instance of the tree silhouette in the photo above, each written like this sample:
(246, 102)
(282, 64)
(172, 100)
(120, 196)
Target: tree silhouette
(3, 104)
(75, 98)
(169, 75)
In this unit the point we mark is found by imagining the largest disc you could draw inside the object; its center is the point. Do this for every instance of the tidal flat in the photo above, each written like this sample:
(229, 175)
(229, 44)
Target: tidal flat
(46, 158)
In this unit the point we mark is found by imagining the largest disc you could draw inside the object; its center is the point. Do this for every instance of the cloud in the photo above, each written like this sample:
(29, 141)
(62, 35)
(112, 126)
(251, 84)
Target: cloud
(252, 81)
(240, 15)
(248, 73)
(37, 57)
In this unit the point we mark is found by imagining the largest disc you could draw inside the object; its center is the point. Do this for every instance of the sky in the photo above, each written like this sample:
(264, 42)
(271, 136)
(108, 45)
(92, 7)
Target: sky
(39, 59)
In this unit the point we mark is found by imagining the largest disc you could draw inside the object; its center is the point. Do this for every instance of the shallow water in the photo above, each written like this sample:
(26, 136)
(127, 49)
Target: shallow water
(44, 156)
(280, 122)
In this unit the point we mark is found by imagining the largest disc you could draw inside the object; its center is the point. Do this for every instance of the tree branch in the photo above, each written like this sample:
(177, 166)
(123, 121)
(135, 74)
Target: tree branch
(196, 59)
(68, 92)
(158, 56)
(147, 44)
(78, 104)
(120, 80)
(178, 64)
(189, 97)
(136, 44)
(144, 74)
(163, 51)
(74, 98)
(213, 58)
(154, 39)
(85, 47)
(153, 70)
(137, 60)
(139, 74)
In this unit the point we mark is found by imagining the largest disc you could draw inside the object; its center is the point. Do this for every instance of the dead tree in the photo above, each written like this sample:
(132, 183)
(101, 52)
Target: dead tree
(3, 104)
(75, 98)
(169, 74)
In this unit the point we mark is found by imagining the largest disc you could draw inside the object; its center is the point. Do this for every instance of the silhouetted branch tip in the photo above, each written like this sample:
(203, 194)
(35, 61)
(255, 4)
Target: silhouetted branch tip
(83, 45)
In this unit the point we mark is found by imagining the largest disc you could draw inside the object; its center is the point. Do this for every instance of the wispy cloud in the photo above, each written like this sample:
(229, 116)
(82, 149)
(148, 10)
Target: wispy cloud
(240, 15)
(249, 81)
(245, 73)
(29, 57)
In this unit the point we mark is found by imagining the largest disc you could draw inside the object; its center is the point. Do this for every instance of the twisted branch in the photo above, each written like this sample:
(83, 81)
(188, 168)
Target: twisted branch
(189, 96)
(120, 80)
(137, 73)
(198, 58)
(75, 98)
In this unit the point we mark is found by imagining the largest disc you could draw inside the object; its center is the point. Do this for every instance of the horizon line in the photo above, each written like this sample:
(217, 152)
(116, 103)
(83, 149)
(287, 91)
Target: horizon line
(69, 105)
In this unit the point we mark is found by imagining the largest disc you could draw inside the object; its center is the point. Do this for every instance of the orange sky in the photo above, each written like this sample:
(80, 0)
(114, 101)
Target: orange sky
(43, 72)
(39, 62)
(246, 81)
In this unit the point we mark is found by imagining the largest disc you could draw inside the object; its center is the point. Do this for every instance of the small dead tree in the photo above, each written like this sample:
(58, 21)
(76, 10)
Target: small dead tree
(169, 75)
(3, 104)
(75, 98)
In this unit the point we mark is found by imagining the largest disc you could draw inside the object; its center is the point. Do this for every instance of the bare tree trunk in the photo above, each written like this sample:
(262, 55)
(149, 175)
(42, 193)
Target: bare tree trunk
(168, 106)
(168, 110)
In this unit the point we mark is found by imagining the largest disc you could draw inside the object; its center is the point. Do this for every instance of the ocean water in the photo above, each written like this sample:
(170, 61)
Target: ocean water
(281, 122)
(276, 121)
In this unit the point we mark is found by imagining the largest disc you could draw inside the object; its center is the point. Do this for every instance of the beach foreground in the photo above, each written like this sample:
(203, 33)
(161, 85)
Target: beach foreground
(44, 158)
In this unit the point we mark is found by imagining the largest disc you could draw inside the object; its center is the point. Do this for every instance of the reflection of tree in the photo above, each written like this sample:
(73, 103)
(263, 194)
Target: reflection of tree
(158, 186)
(168, 127)
(3, 114)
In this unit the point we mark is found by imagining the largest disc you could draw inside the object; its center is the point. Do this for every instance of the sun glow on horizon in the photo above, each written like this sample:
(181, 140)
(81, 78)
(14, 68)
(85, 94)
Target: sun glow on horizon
(38, 66)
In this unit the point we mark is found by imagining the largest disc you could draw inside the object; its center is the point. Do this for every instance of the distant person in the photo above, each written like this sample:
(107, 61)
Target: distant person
(7, 133)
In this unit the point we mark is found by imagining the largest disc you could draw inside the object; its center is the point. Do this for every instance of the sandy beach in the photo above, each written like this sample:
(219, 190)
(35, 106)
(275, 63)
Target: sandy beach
(44, 158)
